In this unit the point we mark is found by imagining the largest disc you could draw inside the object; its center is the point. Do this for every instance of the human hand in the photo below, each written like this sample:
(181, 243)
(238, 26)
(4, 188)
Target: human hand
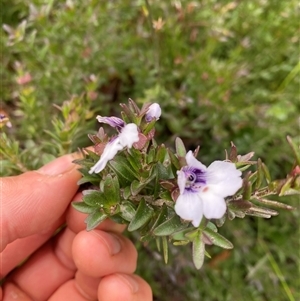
(75, 264)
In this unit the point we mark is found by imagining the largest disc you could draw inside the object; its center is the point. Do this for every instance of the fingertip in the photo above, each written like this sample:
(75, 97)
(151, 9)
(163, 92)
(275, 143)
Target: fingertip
(125, 287)
(13, 292)
(59, 165)
(99, 253)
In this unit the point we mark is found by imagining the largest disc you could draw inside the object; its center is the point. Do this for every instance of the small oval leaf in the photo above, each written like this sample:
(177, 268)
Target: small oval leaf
(180, 148)
(143, 214)
(94, 198)
(198, 251)
(94, 219)
(127, 211)
(169, 227)
(111, 190)
(217, 239)
(83, 207)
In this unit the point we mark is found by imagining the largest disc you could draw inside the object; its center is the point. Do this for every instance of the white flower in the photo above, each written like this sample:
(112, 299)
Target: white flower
(128, 134)
(154, 111)
(203, 189)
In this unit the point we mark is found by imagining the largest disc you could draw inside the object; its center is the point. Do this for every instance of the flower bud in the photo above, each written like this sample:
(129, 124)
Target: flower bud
(154, 111)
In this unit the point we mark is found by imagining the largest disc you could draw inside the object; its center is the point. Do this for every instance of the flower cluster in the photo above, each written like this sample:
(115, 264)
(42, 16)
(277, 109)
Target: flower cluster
(167, 195)
(202, 189)
(128, 135)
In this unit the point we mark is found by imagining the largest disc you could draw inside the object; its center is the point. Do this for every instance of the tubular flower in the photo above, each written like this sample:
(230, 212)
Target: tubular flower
(128, 134)
(203, 189)
(154, 111)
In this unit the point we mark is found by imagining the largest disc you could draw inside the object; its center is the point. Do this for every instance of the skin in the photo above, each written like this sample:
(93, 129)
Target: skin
(71, 265)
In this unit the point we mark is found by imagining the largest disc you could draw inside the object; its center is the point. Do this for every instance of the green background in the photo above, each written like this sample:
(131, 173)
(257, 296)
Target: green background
(222, 71)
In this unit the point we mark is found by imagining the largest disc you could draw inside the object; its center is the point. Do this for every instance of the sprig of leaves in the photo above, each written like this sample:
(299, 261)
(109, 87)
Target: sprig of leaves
(139, 188)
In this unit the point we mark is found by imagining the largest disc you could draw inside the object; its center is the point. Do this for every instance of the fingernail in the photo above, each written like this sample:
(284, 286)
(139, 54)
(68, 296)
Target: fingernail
(130, 281)
(111, 241)
(58, 166)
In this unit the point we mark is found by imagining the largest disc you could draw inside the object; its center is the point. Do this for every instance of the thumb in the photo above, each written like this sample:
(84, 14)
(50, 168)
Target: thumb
(34, 201)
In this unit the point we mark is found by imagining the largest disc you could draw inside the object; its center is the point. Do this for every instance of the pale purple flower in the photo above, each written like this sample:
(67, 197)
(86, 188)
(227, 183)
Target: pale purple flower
(153, 112)
(203, 189)
(128, 135)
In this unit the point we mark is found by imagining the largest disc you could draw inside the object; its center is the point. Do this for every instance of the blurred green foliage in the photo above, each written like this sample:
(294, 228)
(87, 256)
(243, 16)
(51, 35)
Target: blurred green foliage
(221, 70)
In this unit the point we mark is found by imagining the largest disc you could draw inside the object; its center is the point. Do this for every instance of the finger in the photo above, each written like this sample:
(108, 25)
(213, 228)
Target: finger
(34, 201)
(69, 291)
(99, 253)
(12, 293)
(87, 285)
(47, 269)
(22, 248)
(75, 220)
(124, 287)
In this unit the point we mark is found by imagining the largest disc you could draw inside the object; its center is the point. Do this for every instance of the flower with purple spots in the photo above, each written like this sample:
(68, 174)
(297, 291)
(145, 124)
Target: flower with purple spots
(203, 189)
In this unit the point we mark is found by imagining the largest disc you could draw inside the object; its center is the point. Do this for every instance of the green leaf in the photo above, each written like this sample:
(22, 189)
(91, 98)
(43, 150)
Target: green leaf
(295, 149)
(157, 241)
(136, 187)
(151, 155)
(247, 189)
(164, 173)
(149, 126)
(181, 234)
(111, 190)
(143, 214)
(121, 167)
(266, 173)
(198, 251)
(83, 207)
(94, 219)
(165, 249)
(180, 148)
(161, 153)
(94, 198)
(218, 240)
(181, 242)
(89, 179)
(286, 187)
(212, 226)
(162, 216)
(260, 173)
(128, 115)
(127, 210)
(169, 226)
(134, 158)
(126, 193)
(92, 155)
(174, 160)
(117, 219)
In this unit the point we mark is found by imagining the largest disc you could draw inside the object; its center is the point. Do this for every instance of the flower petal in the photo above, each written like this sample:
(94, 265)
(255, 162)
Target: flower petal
(181, 181)
(113, 121)
(129, 135)
(189, 207)
(214, 206)
(192, 161)
(110, 150)
(223, 178)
